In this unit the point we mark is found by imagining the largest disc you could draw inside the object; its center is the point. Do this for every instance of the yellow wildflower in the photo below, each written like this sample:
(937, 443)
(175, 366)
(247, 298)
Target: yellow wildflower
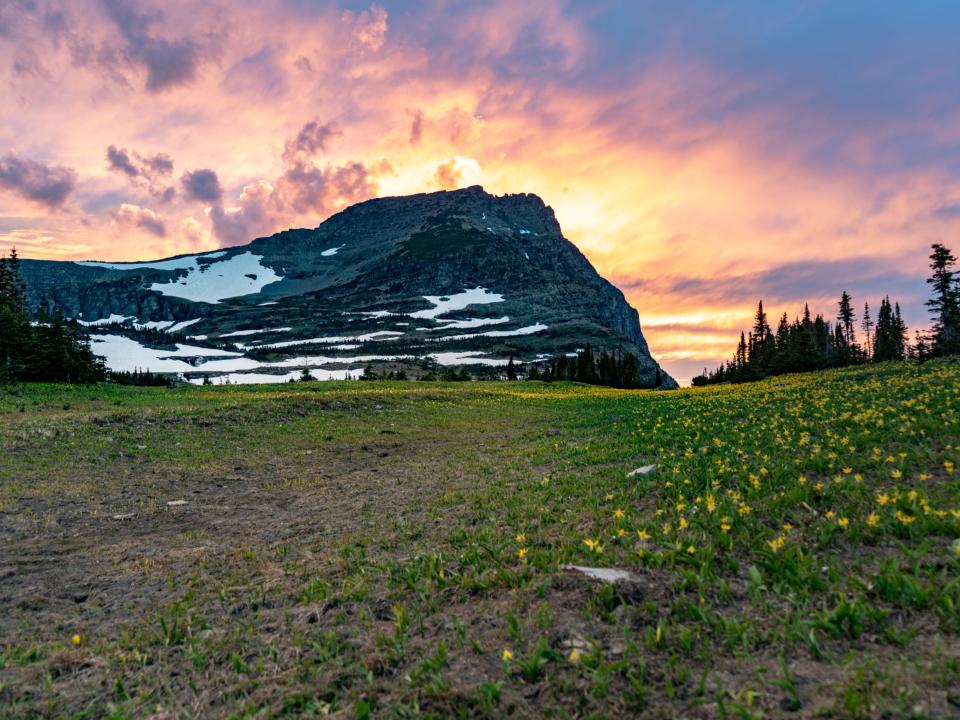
(873, 519)
(618, 514)
(506, 655)
(75, 639)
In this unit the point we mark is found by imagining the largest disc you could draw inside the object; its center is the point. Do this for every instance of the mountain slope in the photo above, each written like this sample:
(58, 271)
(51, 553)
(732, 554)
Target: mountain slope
(455, 278)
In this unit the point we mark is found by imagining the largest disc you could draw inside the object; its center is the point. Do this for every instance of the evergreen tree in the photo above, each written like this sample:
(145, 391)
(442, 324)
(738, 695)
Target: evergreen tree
(846, 317)
(867, 325)
(945, 303)
(511, 369)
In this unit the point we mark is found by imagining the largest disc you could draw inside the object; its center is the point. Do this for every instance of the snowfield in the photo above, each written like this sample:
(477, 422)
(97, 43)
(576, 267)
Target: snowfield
(125, 355)
(240, 275)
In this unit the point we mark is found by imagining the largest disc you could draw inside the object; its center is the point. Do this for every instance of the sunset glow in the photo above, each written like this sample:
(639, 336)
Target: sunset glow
(701, 158)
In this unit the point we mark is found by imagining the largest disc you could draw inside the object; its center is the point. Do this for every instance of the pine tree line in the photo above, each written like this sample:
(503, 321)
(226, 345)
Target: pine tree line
(51, 349)
(814, 343)
(612, 369)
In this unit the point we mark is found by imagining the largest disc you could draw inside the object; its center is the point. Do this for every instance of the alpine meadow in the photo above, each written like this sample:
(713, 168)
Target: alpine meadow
(432, 359)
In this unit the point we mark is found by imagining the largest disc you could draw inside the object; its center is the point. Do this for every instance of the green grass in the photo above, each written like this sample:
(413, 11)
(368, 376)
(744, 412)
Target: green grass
(396, 549)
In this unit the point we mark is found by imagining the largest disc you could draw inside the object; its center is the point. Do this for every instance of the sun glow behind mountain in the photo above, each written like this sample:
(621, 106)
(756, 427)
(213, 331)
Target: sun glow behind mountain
(701, 156)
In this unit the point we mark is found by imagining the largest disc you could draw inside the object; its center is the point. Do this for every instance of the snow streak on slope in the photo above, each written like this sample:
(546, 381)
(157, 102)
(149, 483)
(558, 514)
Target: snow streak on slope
(188, 262)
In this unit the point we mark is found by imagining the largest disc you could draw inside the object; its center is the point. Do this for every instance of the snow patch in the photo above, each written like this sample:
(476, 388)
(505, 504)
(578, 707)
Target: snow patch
(239, 275)
(125, 355)
(466, 358)
(332, 251)
(443, 304)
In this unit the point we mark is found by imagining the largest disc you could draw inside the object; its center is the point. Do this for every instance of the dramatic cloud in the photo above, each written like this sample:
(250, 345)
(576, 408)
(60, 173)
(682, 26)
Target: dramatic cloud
(168, 62)
(46, 185)
(140, 217)
(202, 185)
(310, 141)
(150, 172)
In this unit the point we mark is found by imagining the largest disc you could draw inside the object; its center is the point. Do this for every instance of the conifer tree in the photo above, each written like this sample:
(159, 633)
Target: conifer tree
(867, 326)
(945, 303)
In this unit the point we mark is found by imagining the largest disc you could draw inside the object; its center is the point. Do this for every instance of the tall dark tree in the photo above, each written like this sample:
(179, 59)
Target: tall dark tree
(867, 325)
(945, 303)
(846, 318)
(511, 369)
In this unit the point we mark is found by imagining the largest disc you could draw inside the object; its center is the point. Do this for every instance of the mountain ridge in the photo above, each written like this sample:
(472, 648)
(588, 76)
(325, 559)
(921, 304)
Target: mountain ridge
(369, 270)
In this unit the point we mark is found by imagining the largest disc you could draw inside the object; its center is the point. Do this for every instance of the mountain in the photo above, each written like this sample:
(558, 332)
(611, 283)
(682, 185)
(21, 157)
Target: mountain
(447, 278)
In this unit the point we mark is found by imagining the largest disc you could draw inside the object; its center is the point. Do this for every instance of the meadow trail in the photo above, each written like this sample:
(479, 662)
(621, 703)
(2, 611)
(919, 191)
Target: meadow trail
(400, 549)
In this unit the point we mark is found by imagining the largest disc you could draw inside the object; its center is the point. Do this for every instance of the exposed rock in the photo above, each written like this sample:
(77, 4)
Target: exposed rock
(644, 470)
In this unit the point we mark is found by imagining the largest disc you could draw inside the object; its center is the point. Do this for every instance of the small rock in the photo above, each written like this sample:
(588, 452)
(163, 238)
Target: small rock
(645, 470)
(141, 447)
(576, 642)
(608, 575)
(124, 516)
(176, 503)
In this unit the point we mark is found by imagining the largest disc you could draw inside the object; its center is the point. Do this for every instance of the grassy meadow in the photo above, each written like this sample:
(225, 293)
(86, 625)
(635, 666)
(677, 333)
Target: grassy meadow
(398, 550)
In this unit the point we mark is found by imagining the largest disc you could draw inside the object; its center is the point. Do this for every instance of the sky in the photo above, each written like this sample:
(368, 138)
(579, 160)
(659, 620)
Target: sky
(703, 155)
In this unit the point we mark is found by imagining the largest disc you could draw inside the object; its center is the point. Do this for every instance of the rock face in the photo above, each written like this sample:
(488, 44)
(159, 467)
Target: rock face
(460, 277)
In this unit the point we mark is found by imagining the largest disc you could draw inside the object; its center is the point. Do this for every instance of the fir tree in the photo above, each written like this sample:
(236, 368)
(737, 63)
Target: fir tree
(867, 325)
(945, 303)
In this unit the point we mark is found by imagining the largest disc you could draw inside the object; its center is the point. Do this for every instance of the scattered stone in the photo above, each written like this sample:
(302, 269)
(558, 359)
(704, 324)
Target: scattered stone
(645, 470)
(176, 503)
(629, 587)
(124, 516)
(576, 642)
(607, 575)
